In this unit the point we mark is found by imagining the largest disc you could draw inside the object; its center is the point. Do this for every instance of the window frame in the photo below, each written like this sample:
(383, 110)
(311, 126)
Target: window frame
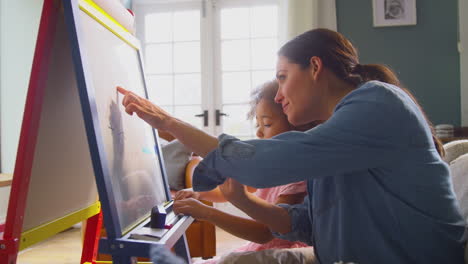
(210, 48)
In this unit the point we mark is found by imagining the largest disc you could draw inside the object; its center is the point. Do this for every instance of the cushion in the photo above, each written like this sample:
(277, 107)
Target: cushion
(459, 171)
(175, 156)
(277, 256)
(454, 149)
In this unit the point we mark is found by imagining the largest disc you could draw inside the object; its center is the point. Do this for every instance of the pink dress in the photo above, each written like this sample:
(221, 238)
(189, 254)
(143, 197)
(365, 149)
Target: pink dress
(271, 195)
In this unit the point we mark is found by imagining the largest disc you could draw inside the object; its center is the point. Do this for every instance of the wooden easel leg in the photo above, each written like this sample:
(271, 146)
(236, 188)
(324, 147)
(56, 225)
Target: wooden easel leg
(181, 249)
(91, 239)
(8, 251)
(12, 228)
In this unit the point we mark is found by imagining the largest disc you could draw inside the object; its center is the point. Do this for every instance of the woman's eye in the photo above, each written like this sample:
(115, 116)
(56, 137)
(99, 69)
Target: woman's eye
(281, 77)
(267, 125)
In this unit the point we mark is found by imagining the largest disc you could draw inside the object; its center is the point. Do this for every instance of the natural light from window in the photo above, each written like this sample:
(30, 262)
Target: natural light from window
(239, 41)
(172, 59)
(249, 40)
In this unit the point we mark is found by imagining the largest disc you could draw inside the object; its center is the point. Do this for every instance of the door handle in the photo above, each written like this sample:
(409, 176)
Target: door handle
(205, 117)
(218, 116)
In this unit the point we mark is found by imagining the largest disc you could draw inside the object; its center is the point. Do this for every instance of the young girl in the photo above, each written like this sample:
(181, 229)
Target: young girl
(270, 122)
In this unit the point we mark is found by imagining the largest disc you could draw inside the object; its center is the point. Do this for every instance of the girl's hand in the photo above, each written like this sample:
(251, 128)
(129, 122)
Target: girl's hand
(186, 193)
(233, 190)
(192, 207)
(150, 113)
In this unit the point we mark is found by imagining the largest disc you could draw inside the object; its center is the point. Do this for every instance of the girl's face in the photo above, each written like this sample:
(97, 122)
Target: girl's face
(301, 96)
(270, 120)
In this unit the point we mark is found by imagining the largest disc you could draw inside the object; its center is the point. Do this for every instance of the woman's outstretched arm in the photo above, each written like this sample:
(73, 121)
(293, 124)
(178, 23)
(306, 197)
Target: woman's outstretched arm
(193, 138)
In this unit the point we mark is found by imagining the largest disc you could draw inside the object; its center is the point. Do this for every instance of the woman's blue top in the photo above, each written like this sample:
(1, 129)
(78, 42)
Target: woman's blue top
(378, 190)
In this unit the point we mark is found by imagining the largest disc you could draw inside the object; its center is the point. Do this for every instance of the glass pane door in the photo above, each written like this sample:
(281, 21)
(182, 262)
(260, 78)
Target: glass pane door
(171, 39)
(248, 42)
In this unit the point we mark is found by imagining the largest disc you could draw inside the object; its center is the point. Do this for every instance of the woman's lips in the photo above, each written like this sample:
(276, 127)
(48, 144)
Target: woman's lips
(285, 107)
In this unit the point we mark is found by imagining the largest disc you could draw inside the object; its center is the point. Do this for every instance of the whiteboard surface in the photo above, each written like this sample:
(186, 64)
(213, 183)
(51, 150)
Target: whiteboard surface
(129, 143)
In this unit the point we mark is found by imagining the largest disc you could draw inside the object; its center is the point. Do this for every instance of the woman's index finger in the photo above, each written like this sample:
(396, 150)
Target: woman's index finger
(122, 90)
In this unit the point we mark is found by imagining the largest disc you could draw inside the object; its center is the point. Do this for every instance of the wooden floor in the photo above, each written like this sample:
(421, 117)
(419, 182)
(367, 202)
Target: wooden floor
(65, 248)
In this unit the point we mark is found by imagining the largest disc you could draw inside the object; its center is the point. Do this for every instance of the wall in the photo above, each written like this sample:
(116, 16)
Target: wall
(19, 22)
(424, 56)
(463, 15)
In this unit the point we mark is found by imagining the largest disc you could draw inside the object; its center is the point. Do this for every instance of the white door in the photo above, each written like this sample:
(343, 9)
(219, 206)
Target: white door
(203, 58)
(246, 41)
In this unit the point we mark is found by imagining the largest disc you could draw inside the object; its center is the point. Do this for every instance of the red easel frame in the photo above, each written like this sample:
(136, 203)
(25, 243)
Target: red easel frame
(9, 243)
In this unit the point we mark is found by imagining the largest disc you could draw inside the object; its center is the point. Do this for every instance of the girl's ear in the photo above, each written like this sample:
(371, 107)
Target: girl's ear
(316, 66)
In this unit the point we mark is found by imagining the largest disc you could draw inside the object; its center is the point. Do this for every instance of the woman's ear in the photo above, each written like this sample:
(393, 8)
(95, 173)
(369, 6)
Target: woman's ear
(316, 66)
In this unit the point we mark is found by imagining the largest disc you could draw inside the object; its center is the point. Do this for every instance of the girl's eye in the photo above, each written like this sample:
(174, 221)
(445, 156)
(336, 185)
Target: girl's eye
(267, 125)
(281, 77)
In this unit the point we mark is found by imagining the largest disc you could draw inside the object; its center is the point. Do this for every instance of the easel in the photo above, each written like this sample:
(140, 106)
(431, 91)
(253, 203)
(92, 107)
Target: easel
(52, 153)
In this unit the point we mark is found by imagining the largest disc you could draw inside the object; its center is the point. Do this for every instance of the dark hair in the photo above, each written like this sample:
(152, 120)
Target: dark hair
(339, 56)
(265, 91)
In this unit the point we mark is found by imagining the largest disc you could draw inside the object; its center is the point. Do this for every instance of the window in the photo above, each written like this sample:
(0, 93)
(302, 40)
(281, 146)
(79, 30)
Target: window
(205, 57)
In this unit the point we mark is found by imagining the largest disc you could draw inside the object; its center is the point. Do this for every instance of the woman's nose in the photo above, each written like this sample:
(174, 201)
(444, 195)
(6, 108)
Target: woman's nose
(278, 97)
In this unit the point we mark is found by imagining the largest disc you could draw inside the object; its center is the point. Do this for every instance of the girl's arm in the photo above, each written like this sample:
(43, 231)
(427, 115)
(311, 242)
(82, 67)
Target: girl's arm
(275, 217)
(214, 195)
(217, 196)
(238, 226)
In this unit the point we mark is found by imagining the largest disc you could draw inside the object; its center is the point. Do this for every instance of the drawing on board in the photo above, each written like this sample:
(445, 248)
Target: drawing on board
(134, 167)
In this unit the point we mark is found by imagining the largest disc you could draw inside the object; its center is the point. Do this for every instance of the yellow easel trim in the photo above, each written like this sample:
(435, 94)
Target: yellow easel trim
(100, 10)
(98, 14)
(42, 232)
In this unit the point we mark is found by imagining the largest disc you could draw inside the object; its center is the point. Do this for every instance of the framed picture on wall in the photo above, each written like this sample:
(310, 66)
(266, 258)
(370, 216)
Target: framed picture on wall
(394, 12)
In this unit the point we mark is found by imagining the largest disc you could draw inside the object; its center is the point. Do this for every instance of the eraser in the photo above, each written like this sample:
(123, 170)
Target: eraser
(158, 217)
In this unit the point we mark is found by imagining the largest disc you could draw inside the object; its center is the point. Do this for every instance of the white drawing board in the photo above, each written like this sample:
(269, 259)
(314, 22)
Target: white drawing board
(129, 155)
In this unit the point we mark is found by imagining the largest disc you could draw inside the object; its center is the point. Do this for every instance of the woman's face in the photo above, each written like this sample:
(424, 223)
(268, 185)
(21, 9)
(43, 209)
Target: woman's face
(302, 98)
(270, 120)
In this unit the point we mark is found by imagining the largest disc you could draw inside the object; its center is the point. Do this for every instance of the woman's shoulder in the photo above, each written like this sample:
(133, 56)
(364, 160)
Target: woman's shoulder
(377, 90)
(379, 94)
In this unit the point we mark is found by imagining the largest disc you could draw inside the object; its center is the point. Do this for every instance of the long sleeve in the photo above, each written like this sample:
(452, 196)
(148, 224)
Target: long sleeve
(362, 133)
(301, 223)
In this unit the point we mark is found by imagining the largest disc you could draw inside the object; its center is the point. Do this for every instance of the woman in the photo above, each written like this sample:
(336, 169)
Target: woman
(379, 191)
